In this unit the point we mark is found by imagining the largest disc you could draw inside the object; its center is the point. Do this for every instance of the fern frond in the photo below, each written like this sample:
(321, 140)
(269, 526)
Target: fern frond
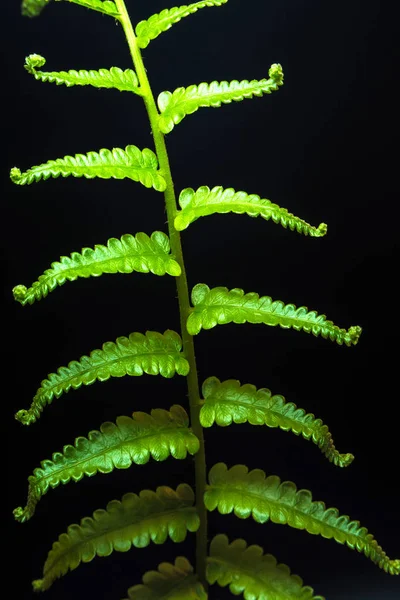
(116, 446)
(253, 494)
(218, 306)
(151, 28)
(124, 81)
(135, 520)
(247, 570)
(104, 6)
(33, 8)
(131, 163)
(152, 353)
(204, 202)
(229, 402)
(184, 101)
(171, 581)
(139, 253)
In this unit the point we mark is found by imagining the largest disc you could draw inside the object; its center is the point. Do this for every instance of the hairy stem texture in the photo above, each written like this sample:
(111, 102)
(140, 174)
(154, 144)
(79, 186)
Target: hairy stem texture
(181, 283)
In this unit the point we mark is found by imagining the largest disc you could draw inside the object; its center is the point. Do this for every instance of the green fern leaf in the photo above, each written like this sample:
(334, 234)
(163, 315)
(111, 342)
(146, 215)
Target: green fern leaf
(116, 446)
(131, 163)
(136, 520)
(151, 28)
(218, 306)
(266, 498)
(204, 202)
(124, 81)
(229, 402)
(184, 101)
(33, 8)
(153, 353)
(104, 6)
(139, 253)
(172, 582)
(247, 569)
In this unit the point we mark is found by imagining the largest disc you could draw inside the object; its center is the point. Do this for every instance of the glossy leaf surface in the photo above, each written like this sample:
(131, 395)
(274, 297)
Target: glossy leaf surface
(116, 446)
(247, 570)
(229, 402)
(153, 353)
(131, 163)
(184, 101)
(204, 202)
(135, 520)
(219, 306)
(139, 253)
(151, 28)
(171, 581)
(265, 498)
(124, 81)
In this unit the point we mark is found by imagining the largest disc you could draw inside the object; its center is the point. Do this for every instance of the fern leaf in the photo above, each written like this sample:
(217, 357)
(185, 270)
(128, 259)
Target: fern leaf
(171, 581)
(246, 569)
(124, 81)
(218, 306)
(104, 6)
(33, 8)
(204, 202)
(229, 402)
(116, 446)
(252, 494)
(131, 163)
(153, 353)
(151, 28)
(139, 253)
(135, 520)
(184, 101)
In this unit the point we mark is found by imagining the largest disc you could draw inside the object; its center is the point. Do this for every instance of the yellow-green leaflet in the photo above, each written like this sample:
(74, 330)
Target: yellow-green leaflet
(250, 493)
(116, 446)
(173, 581)
(136, 520)
(246, 569)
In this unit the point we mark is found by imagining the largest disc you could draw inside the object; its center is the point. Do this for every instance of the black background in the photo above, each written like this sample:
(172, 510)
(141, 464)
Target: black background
(319, 147)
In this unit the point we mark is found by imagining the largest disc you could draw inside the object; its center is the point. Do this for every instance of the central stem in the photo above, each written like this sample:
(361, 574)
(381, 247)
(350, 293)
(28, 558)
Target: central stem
(182, 288)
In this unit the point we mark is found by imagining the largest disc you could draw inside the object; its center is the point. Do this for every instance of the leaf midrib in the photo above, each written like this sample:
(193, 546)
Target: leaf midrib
(120, 444)
(43, 391)
(251, 494)
(107, 531)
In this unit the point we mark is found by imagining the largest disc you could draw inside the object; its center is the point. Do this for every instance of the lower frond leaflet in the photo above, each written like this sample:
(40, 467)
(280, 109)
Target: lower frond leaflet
(173, 581)
(229, 402)
(267, 498)
(152, 353)
(247, 570)
(136, 520)
(116, 446)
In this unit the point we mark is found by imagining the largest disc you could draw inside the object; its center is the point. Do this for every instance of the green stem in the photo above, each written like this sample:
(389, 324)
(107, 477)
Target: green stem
(182, 288)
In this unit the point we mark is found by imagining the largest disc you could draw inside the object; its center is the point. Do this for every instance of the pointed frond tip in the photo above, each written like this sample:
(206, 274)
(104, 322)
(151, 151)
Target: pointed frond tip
(33, 8)
(246, 569)
(229, 402)
(124, 81)
(265, 498)
(151, 28)
(152, 353)
(139, 253)
(175, 581)
(204, 202)
(218, 306)
(184, 101)
(132, 163)
(135, 440)
(136, 521)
